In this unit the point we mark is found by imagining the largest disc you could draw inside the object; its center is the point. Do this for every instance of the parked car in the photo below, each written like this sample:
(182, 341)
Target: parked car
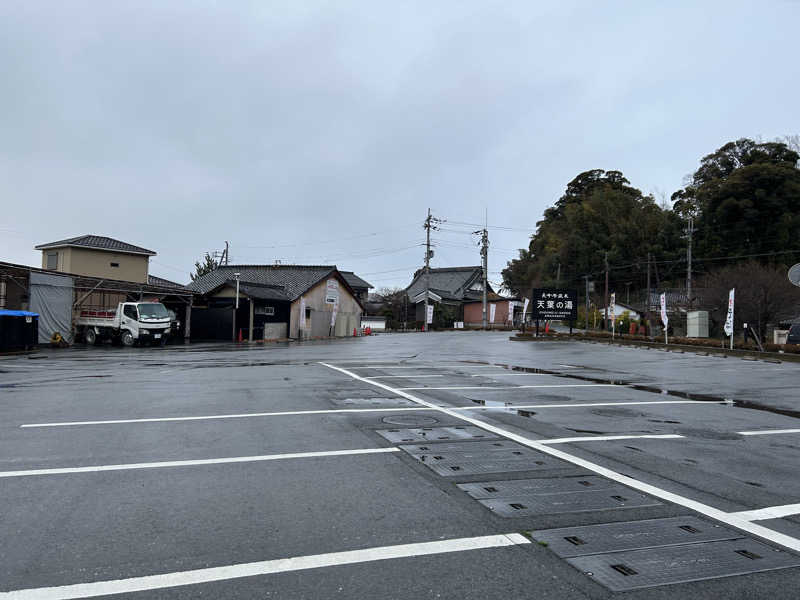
(794, 334)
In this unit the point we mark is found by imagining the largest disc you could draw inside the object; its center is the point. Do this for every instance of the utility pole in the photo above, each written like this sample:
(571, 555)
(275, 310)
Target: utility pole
(485, 265)
(689, 232)
(430, 223)
(605, 321)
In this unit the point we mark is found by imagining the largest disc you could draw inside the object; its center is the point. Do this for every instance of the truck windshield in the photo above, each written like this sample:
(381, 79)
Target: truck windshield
(152, 310)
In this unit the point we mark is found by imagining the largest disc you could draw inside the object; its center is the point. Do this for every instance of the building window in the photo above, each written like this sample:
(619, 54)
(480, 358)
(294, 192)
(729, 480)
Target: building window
(52, 260)
(115, 264)
(308, 313)
(265, 310)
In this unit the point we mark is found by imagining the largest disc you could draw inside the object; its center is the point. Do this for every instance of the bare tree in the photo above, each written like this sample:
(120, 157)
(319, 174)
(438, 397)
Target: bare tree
(763, 295)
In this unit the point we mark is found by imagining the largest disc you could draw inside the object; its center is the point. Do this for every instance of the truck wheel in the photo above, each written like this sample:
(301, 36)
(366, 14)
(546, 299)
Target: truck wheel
(90, 337)
(127, 338)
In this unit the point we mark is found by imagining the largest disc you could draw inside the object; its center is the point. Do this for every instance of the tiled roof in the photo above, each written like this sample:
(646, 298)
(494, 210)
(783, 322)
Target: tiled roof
(263, 292)
(153, 280)
(294, 279)
(98, 242)
(355, 281)
(450, 283)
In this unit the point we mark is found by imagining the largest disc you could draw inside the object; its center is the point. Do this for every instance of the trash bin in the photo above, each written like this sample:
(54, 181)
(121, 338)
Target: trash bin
(19, 330)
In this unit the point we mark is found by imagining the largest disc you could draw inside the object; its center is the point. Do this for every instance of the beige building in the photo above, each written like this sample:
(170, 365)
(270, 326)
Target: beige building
(97, 256)
(275, 302)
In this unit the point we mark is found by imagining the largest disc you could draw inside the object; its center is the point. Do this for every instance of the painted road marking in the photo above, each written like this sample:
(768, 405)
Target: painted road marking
(346, 410)
(435, 367)
(584, 404)
(512, 387)
(508, 374)
(401, 376)
(768, 432)
(609, 438)
(266, 567)
(771, 512)
(192, 463)
(714, 513)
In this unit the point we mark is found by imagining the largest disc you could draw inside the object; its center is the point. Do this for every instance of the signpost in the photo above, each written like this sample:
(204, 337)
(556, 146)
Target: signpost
(664, 318)
(729, 317)
(550, 304)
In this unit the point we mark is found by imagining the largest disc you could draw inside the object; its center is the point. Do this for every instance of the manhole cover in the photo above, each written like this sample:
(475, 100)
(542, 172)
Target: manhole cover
(570, 542)
(410, 420)
(621, 571)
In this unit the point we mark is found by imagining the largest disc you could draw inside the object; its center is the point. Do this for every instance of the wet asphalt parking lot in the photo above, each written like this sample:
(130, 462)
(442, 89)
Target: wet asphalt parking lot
(441, 465)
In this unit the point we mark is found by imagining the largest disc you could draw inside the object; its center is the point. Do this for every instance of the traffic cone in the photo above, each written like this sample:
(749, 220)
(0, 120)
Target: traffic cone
(240, 336)
(354, 332)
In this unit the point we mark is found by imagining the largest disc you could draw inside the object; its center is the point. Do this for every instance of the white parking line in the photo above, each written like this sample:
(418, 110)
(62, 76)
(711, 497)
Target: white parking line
(507, 374)
(768, 432)
(401, 376)
(583, 404)
(192, 463)
(512, 387)
(266, 567)
(434, 367)
(610, 438)
(290, 413)
(699, 507)
(771, 512)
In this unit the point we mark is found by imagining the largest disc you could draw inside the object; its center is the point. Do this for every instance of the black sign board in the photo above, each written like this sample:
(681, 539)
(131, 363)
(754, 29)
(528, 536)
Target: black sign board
(554, 305)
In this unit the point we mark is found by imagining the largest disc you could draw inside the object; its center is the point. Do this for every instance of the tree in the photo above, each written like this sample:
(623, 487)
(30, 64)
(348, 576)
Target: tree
(764, 295)
(209, 264)
(745, 198)
(599, 212)
(394, 306)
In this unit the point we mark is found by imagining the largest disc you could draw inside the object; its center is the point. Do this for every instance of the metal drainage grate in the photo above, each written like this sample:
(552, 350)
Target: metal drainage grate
(454, 465)
(439, 447)
(390, 402)
(568, 502)
(410, 420)
(633, 569)
(632, 535)
(522, 487)
(457, 457)
(432, 434)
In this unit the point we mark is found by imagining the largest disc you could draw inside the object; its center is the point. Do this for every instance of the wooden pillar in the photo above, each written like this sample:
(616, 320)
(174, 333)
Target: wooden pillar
(187, 329)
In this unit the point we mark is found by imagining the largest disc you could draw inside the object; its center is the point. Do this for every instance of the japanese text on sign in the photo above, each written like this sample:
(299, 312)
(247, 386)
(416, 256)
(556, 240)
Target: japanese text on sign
(550, 304)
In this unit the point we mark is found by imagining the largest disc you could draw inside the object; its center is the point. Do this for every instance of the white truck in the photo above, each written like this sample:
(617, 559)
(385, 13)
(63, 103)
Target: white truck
(130, 323)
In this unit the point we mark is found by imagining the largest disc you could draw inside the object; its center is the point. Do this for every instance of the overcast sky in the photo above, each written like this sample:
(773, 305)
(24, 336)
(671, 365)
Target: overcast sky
(321, 132)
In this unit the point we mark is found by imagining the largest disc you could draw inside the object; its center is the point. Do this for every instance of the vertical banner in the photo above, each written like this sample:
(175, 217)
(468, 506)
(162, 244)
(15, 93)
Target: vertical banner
(612, 309)
(302, 312)
(664, 318)
(492, 311)
(333, 316)
(429, 319)
(729, 317)
(525, 309)
(511, 312)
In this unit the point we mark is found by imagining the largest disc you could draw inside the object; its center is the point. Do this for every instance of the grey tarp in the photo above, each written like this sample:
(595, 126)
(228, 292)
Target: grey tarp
(51, 297)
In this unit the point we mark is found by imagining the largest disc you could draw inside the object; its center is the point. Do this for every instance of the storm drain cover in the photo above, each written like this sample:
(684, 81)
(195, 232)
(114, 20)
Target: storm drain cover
(453, 465)
(568, 502)
(373, 402)
(621, 571)
(434, 455)
(432, 434)
(634, 535)
(410, 420)
(522, 487)
(439, 447)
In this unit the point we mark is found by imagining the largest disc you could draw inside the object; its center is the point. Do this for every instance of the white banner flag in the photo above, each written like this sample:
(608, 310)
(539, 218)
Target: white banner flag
(664, 318)
(492, 310)
(429, 320)
(333, 317)
(729, 317)
(525, 309)
(511, 311)
(613, 308)
(302, 313)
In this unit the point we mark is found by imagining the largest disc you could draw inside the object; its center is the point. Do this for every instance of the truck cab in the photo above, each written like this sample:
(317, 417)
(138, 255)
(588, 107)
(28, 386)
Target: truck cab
(146, 321)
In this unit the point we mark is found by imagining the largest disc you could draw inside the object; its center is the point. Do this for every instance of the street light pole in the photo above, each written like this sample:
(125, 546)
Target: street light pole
(236, 306)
